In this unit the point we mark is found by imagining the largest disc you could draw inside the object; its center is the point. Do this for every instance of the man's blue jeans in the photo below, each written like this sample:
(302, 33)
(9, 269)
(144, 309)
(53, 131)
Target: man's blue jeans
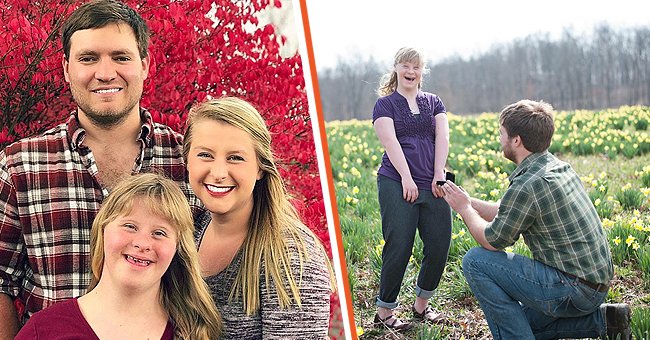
(526, 299)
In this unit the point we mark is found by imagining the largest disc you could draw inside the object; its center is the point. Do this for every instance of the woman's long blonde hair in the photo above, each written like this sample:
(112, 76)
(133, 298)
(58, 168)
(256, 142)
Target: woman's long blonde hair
(388, 82)
(184, 294)
(273, 218)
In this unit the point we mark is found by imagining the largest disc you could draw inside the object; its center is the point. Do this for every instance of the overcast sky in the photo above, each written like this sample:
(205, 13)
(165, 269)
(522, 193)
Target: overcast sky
(351, 28)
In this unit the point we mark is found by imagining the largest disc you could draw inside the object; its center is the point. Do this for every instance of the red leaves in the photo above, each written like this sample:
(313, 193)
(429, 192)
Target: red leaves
(5, 138)
(30, 75)
(171, 120)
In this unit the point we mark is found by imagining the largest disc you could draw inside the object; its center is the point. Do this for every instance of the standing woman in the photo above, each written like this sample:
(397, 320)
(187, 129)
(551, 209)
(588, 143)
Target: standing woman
(413, 128)
(268, 273)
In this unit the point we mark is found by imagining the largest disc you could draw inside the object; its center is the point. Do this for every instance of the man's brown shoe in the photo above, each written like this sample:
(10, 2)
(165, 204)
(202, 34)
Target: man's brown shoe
(617, 318)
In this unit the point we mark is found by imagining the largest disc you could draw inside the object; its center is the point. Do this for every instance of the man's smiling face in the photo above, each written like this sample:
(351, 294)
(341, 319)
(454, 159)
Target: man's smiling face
(106, 73)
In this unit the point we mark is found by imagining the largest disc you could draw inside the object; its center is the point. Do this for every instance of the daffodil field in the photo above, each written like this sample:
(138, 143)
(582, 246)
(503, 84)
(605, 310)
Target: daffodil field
(609, 149)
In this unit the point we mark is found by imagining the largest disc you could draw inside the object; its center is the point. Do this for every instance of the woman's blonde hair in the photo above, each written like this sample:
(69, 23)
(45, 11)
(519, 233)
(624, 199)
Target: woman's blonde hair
(388, 82)
(184, 294)
(273, 218)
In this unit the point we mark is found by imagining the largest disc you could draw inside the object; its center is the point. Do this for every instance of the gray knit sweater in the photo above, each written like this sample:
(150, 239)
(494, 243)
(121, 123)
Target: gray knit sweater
(310, 321)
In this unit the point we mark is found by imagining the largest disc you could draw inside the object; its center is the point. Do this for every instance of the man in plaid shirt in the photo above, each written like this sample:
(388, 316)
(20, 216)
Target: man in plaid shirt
(559, 293)
(51, 186)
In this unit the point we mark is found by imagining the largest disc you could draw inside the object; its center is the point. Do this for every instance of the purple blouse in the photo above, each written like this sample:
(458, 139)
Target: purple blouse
(415, 134)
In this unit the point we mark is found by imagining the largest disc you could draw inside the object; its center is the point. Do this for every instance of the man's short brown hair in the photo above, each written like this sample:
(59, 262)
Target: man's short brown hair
(99, 13)
(530, 120)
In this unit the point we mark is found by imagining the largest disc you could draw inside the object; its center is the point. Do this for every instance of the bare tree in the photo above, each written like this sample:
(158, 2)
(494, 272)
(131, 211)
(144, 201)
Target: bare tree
(605, 69)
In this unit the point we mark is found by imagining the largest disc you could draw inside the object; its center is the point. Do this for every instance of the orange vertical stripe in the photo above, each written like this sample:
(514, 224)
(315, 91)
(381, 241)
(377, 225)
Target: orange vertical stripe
(328, 169)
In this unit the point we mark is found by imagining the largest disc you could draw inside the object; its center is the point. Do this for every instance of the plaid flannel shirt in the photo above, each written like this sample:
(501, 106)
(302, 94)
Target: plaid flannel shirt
(49, 196)
(546, 202)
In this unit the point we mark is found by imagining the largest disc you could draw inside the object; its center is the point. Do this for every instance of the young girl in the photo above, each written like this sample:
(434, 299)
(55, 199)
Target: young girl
(412, 126)
(146, 282)
(269, 275)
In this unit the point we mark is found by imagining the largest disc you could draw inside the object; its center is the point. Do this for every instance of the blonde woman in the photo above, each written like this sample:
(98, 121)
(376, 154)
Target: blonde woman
(146, 282)
(412, 126)
(268, 273)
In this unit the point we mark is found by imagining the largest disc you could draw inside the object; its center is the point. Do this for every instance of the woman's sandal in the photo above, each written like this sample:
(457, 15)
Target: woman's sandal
(428, 314)
(390, 322)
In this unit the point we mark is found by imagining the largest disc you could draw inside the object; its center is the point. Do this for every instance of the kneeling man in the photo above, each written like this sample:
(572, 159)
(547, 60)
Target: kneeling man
(559, 293)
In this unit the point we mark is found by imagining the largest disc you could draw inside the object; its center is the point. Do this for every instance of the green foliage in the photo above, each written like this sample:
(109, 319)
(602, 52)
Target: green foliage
(375, 260)
(418, 251)
(358, 235)
(623, 241)
(605, 209)
(608, 132)
(615, 294)
(521, 249)
(644, 262)
(352, 279)
(453, 284)
(461, 240)
(426, 332)
(598, 189)
(641, 323)
(645, 176)
(630, 198)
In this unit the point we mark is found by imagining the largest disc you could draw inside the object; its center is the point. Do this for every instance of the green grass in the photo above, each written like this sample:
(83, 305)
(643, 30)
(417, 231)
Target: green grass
(609, 149)
(641, 323)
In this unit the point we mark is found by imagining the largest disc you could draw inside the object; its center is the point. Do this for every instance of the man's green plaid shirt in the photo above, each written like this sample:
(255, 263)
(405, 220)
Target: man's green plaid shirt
(546, 202)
